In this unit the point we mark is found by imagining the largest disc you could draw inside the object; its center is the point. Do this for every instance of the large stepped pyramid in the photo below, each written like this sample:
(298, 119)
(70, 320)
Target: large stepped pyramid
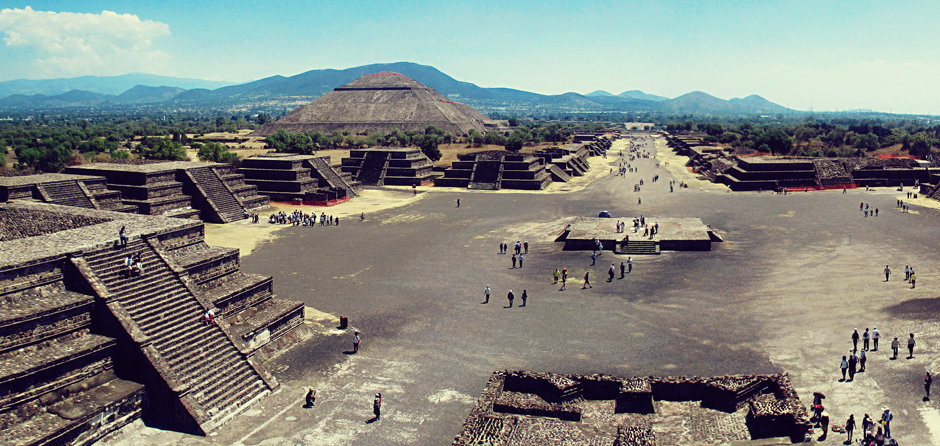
(497, 169)
(79, 336)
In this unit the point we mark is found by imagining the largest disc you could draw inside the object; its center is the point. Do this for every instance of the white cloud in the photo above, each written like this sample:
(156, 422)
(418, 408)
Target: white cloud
(62, 44)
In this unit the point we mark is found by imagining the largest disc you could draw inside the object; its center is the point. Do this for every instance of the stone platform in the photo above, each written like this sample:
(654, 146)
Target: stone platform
(675, 234)
(524, 408)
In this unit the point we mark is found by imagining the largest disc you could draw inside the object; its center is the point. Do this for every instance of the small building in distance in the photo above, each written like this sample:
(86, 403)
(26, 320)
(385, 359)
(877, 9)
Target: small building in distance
(380, 103)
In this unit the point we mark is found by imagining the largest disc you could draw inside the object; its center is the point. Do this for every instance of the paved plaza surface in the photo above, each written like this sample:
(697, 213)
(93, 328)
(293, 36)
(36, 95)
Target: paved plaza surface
(795, 274)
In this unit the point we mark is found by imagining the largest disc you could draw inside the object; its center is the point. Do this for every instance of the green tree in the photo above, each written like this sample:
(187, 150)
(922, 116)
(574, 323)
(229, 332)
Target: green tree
(161, 149)
(216, 152)
(514, 143)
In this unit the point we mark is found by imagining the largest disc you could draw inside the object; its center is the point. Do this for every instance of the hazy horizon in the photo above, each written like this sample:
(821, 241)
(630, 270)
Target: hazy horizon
(802, 55)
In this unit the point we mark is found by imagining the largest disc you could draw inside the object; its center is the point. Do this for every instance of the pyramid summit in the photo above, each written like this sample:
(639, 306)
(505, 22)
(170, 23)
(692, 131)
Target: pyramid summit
(379, 102)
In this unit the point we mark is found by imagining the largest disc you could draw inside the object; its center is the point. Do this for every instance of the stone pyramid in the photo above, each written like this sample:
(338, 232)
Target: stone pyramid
(380, 103)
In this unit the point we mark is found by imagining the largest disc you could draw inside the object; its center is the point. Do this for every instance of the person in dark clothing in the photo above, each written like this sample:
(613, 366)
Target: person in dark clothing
(623, 270)
(511, 297)
(514, 261)
(910, 346)
(587, 280)
(849, 428)
(928, 380)
(525, 297)
(311, 398)
(853, 366)
(377, 406)
(855, 340)
(610, 273)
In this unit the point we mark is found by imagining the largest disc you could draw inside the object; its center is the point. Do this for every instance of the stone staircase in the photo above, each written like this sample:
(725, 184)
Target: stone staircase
(558, 174)
(332, 178)
(67, 193)
(486, 175)
(202, 364)
(639, 247)
(370, 173)
(223, 204)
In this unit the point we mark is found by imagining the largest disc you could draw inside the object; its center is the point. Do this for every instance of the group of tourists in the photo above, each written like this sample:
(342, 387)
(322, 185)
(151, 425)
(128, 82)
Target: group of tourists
(134, 264)
(867, 209)
(873, 433)
(903, 206)
(855, 361)
(910, 276)
(510, 296)
(298, 218)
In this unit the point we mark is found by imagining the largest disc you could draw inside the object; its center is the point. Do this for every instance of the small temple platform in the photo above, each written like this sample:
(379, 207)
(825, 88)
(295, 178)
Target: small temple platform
(675, 234)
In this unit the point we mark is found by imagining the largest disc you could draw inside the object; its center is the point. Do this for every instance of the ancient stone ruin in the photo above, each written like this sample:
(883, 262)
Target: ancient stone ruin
(306, 179)
(497, 169)
(87, 346)
(388, 166)
(380, 103)
(526, 408)
(808, 173)
(210, 191)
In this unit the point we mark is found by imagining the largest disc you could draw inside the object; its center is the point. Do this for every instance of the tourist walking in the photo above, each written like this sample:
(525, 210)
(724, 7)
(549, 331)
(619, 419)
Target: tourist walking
(594, 258)
(587, 280)
(928, 380)
(907, 273)
(377, 405)
(887, 272)
(894, 347)
(629, 264)
(458, 202)
(913, 279)
(865, 338)
(910, 346)
(122, 236)
(875, 335)
(849, 428)
(356, 340)
(623, 270)
(853, 365)
(525, 297)
(514, 261)
(862, 357)
(486, 294)
(844, 366)
(855, 340)
(555, 276)
(510, 296)
(521, 259)
(525, 246)
(610, 273)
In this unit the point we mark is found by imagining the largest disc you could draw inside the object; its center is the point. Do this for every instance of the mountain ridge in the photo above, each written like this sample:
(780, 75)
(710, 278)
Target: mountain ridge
(286, 91)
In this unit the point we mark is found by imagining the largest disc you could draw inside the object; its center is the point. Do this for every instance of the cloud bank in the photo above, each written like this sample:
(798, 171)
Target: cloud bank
(63, 44)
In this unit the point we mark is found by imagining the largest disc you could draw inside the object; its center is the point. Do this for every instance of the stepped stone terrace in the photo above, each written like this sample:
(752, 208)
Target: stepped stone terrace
(675, 234)
(307, 179)
(85, 191)
(388, 167)
(499, 169)
(808, 173)
(211, 191)
(525, 408)
(86, 347)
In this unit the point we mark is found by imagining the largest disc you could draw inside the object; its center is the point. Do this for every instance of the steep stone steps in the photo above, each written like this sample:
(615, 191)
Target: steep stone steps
(227, 208)
(219, 378)
(639, 247)
(67, 193)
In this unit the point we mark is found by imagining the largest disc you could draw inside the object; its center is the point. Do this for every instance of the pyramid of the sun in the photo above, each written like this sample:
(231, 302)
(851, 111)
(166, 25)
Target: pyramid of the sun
(380, 103)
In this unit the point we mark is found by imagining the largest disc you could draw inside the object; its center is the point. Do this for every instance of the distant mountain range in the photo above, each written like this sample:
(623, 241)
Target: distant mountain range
(280, 93)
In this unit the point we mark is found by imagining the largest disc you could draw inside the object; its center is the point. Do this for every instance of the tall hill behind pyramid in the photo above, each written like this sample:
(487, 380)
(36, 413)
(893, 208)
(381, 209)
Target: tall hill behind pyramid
(379, 102)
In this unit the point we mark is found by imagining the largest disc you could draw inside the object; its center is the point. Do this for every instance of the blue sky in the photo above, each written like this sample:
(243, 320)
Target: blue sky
(828, 55)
